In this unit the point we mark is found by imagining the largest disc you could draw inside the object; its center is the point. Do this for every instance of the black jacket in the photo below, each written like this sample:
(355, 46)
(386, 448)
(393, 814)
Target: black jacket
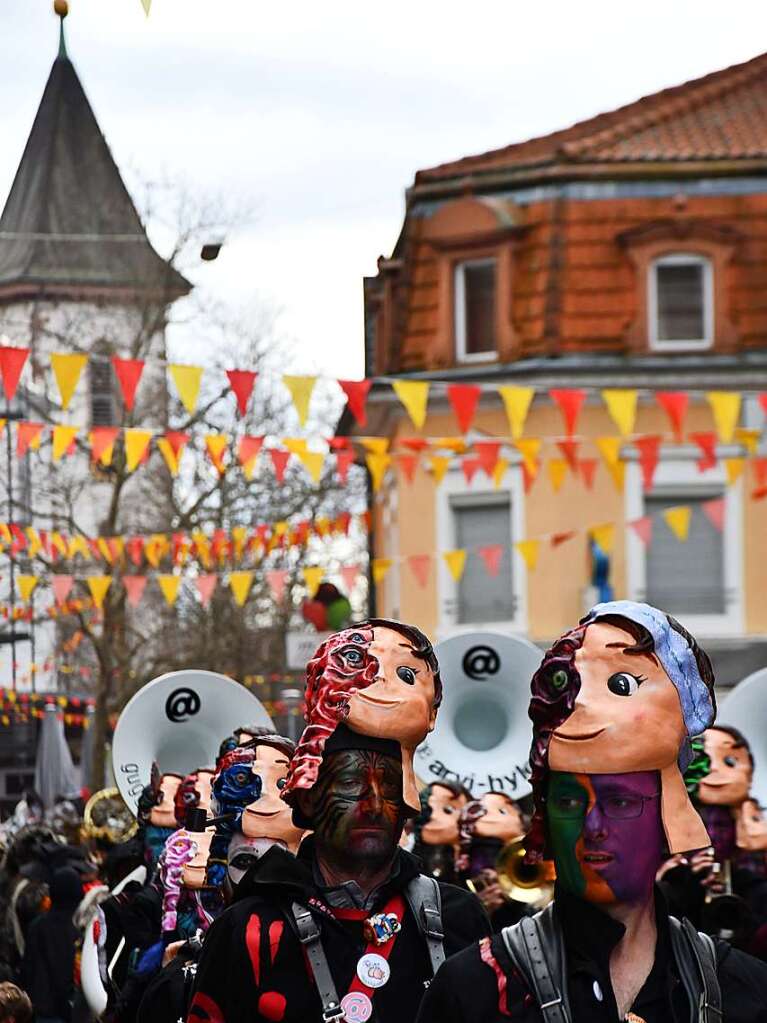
(49, 955)
(253, 968)
(470, 990)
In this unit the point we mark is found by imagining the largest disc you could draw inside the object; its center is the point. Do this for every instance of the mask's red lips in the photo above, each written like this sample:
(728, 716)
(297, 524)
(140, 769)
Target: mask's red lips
(579, 738)
(262, 813)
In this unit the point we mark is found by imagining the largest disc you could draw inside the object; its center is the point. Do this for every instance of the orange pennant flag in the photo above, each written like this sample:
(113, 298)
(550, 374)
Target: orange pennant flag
(439, 466)
(379, 567)
(240, 583)
(98, 585)
(136, 445)
(528, 549)
(529, 449)
(301, 392)
(216, 444)
(456, 563)
(313, 576)
(172, 459)
(187, 380)
(247, 451)
(63, 440)
(734, 468)
(102, 440)
(377, 465)
(28, 436)
(169, 584)
(517, 402)
(414, 395)
(67, 370)
(557, 471)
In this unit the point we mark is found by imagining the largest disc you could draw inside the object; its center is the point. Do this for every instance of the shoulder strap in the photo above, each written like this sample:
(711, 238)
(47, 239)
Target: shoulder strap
(695, 957)
(425, 901)
(309, 936)
(536, 947)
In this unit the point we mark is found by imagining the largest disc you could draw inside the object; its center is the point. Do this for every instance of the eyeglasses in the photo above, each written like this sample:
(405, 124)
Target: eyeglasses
(617, 808)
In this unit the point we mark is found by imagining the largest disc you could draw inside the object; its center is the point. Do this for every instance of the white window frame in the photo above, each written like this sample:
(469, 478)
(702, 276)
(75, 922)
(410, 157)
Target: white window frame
(693, 344)
(676, 475)
(459, 311)
(455, 485)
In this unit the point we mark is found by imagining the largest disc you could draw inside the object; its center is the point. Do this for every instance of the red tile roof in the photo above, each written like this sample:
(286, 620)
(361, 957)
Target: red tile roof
(720, 116)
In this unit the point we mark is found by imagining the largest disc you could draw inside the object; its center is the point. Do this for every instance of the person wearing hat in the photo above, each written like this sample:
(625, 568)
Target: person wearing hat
(349, 929)
(614, 705)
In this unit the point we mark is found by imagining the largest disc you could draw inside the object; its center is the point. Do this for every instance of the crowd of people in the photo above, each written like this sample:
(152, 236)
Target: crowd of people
(322, 881)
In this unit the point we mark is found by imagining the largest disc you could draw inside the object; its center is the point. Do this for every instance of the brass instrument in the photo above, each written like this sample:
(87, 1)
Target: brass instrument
(106, 815)
(532, 883)
(725, 915)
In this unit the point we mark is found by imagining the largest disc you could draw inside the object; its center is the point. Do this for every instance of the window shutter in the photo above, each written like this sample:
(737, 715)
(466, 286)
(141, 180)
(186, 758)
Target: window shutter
(102, 391)
(479, 292)
(681, 314)
(481, 596)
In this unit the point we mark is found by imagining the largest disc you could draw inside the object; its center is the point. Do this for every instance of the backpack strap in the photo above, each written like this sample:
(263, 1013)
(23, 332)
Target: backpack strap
(536, 947)
(695, 956)
(309, 936)
(425, 901)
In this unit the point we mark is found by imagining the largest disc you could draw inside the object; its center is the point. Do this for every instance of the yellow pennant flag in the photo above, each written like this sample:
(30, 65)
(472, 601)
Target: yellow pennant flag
(725, 406)
(169, 585)
(499, 471)
(456, 562)
(77, 545)
(26, 584)
(603, 536)
(313, 462)
(136, 443)
(295, 445)
(239, 536)
(678, 521)
(517, 402)
(379, 568)
(216, 444)
(610, 450)
(155, 548)
(62, 439)
(172, 460)
(301, 392)
(377, 464)
(187, 380)
(67, 370)
(313, 576)
(375, 445)
(35, 544)
(734, 468)
(557, 471)
(622, 406)
(748, 438)
(240, 583)
(529, 449)
(98, 585)
(529, 549)
(439, 466)
(414, 395)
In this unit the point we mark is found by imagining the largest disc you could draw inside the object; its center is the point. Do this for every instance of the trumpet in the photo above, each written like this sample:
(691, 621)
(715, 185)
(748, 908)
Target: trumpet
(725, 914)
(532, 883)
(106, 815)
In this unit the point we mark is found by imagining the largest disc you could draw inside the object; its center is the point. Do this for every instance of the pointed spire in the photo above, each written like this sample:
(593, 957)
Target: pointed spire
(61, 7)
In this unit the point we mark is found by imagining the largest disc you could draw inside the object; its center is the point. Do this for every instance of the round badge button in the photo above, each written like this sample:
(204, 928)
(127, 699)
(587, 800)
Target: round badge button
(357, 1007)
(373, 970)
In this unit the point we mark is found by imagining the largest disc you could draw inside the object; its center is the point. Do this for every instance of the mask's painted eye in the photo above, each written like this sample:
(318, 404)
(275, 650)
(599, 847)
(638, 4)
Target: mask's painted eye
(281, 783)
(353, 656)
(448, 811)
(559, 679)
(240, 778)
(406, 674)
(731, 761)
(503, 813)
(356, 637)
(623, 684)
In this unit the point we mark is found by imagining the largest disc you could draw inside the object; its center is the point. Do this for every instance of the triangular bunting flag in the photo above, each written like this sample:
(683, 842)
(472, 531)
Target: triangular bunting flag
(356, 392)
(375, 445)
(136, 445)
(587, 467)
(557, 471)
(417, 444)
(62, 587)
(569, 449)
(349, 574)
(643, 529)
(128, 373)
(206, 584)
(301, 392)
(749, 438)
(169, 584)
(27, 437)
(570, 402)
(500, 470)
(102, 440)
(622, 406)
(649, 455)
(529, 448)
(172, 460)
(98, 586)
(67, 370)
(407, 465)
(439, 466)
(734, 469)
(240, 583)
(707, 444)
(187, 380)
(248, 448)
(344, 459)
(528, 550)
(134, 588)
(313, 576)
(414, 395)
(313, 462)
(469, 467)
(379, 568)
(675, 404)
(456, 562)
(491, 556)
(487, 452)
(26, 584)
(464, 398)
(295, 445)
(279, 461)
(377, 466)
(420, 566)
(216, 445)
(557, 539)
(603, 536)
(725, 406)
(678, 521)
(241, 381)
(517, 402)
(277, 579)
(455, 444)
(715, 511)
(610, 450)
(63, 440)
(11, 364)
(529, 475)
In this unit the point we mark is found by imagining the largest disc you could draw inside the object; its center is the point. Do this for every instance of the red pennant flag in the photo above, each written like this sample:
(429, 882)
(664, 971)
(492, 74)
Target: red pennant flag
(707, 444)
(248, 447)
(356, 392)
(570, 402)
(408, 465)
(134, 588)
(560, 538)
(416, 444)
(675, 404)
(588, 468)
(11, 364)
(205, 584)
(241, 381)
(61, 586)
(643, 529)
(349, 575)
(491, 556)
(277, 579)
(487, 455)
(128, 373)
(280, 462)
(464, 398)
(26, 435)
(339, 443)
(344, 459)
(135, 548)
(420, 566)
(760, 471)
(469, 467)
(569, 449)
(715, 512)
(528, 476)
(176, 440)
(102, 438)
(649, 448)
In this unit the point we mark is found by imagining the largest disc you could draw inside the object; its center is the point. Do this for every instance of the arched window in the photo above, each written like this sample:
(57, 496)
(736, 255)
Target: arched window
(680, 293)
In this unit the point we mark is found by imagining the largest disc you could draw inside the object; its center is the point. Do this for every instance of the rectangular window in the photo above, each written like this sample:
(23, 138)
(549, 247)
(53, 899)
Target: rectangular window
(102, 391)
(681, 303)
(685, 577)
(475, 288)
(483, 597)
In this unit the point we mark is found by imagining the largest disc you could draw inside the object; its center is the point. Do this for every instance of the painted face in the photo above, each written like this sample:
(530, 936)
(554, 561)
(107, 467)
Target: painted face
(195, 870)
(606, 833)
(163, 813)
(751, 827)
(729, 780)
(442, 826)
(268, 816)
(501, 819)
(627, 714)
(356, 805)
(235, 786)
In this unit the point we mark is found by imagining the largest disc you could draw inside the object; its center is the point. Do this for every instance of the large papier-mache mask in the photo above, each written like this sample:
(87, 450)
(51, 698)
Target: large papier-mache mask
(623, 692)
(381, 679)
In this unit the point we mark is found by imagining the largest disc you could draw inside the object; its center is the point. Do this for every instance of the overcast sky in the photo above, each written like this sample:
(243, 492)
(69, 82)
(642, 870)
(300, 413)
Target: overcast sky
(319, 114)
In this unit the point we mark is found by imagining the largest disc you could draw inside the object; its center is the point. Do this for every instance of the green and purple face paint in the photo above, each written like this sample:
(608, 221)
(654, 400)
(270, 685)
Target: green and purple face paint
(606, 834)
